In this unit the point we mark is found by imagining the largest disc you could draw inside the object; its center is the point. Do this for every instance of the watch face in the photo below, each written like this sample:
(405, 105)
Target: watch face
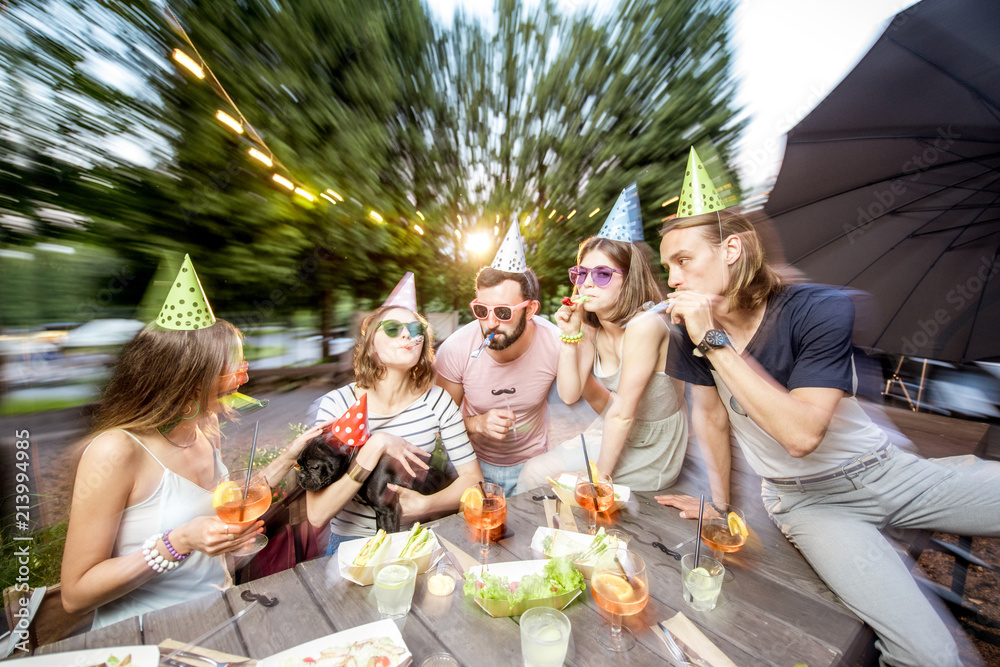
(715, 338)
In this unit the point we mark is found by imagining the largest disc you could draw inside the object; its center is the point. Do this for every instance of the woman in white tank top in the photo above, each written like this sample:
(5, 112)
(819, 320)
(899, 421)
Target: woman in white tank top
(145, 482)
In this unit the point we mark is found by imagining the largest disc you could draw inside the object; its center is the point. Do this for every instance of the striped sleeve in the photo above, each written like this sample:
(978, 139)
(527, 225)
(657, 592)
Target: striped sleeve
(453, 435)
(329, 406)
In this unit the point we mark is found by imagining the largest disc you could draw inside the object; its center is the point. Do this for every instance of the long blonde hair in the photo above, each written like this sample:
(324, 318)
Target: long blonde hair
(160, 371)
(752, 280)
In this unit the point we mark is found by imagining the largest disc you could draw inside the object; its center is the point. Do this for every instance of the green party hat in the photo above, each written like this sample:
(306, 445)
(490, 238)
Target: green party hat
(698, 193)
(186, 307)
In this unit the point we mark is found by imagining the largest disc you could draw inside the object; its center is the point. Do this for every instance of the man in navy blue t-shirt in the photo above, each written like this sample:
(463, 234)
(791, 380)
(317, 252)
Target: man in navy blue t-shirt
(774, 364)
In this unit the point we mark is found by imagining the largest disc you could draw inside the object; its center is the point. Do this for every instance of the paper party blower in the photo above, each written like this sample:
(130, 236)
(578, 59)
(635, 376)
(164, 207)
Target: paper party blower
(698, 193)
(352, 427)
(624, 223)
(186, 307)
(510, 256)
(404, 295)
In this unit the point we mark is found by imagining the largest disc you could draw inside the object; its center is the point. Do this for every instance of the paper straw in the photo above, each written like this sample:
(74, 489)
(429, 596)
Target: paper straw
(586, 459)
(697, 538)
(253, 451)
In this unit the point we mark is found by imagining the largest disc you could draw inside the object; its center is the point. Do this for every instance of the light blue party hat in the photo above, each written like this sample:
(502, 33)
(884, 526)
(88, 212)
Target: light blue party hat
(624, 223)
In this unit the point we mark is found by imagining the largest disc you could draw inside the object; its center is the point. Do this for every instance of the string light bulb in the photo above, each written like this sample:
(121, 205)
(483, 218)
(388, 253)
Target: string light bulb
(281, 180)
(594, 212)
(228, 120)
(571, 214)
(335, 195)
(418, 229)
(185, 60)
(376, 217)
(305, 194)
(257, 155)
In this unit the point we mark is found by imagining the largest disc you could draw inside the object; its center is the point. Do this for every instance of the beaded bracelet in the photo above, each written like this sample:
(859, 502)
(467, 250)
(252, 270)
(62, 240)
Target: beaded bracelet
(154, 559)
(572, 339)
(173, 552)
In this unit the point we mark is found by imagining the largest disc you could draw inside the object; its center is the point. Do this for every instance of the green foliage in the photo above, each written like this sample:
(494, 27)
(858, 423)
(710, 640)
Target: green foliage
(472, 125)
(45, 556)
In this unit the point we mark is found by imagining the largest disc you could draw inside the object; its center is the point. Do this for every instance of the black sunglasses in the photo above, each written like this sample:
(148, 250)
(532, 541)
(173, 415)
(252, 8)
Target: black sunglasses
(392, 328)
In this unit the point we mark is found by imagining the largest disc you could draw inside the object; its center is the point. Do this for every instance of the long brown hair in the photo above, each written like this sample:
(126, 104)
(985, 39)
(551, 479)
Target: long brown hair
(752, 279)
(639, 283)
(368, 370)
(159, 371)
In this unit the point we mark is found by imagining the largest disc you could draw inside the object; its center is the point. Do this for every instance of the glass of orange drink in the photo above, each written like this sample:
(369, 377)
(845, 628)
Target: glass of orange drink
(240, 504)
(620, 586)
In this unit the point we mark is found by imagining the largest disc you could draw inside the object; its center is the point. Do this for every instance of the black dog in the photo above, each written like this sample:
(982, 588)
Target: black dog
(321, 464)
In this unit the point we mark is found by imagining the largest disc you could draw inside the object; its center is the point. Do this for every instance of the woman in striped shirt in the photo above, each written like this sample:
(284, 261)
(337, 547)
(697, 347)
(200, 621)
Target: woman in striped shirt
(406, 413)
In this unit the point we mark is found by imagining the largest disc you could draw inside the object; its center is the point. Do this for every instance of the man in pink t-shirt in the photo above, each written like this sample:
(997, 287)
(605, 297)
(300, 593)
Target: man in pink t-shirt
(503, 391)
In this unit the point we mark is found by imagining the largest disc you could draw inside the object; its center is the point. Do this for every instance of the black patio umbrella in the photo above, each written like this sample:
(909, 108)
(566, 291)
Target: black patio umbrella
(891, 186)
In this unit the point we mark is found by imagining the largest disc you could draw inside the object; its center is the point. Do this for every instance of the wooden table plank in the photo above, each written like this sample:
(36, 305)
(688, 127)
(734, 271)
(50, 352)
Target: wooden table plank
(76, 643)
(296, 618)
(186, 622)
(348, 605)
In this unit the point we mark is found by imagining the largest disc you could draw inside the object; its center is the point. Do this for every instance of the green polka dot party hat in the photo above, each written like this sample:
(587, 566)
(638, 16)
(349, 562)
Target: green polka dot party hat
(698, 193)
(186, 307)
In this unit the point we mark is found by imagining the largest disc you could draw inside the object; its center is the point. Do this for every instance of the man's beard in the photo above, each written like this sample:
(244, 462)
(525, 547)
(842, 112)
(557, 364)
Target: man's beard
(501, 341)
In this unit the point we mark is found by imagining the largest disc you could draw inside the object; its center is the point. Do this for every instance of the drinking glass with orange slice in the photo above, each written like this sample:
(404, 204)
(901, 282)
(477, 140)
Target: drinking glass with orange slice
(240, 509)
(724, 529)
(484, 513)
(619, 586)
(595, 492)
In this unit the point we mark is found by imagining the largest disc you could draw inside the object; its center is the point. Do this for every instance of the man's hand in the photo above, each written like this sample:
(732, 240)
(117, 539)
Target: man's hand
(494, 423)
(694, 311)
(688, 505)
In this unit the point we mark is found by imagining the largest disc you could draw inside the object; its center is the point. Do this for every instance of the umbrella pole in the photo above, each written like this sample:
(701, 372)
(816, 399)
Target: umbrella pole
(902, 385)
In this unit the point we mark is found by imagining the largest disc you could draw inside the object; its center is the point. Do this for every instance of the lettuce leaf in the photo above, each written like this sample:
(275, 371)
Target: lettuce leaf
(559, 576)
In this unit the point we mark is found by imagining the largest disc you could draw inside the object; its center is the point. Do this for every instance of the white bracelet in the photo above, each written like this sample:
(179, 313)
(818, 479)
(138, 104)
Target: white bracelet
(154, 559)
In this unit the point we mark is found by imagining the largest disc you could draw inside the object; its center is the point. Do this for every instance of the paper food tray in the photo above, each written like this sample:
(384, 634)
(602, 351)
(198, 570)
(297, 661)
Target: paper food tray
(514, 571)
(365, 576)
(309, 653)
(587, 570)
(567, 482)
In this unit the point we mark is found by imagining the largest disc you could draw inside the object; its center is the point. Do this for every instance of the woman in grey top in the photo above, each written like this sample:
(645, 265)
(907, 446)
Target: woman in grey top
(644, 433)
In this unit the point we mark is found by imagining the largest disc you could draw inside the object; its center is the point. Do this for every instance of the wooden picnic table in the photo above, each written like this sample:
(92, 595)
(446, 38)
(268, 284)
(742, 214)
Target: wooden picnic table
(774, 610)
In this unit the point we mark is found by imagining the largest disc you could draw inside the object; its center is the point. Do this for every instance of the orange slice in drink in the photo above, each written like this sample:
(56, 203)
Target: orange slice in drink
(736, 525)
(594, 475)
(473, 498)
(226, 492)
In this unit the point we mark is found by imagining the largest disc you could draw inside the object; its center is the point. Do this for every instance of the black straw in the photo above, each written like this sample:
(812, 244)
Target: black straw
(697, 538)
(253, 451)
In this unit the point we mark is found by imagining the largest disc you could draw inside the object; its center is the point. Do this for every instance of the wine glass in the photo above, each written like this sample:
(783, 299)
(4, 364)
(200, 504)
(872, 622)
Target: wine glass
(484, 513)
(594, 497)
(241, 509)
(724, 529)
(619, 586)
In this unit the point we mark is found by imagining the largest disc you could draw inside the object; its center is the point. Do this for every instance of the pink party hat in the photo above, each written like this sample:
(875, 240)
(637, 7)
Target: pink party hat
(404, 295)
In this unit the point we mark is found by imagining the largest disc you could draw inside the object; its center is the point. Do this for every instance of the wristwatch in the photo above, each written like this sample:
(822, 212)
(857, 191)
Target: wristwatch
(714, 339)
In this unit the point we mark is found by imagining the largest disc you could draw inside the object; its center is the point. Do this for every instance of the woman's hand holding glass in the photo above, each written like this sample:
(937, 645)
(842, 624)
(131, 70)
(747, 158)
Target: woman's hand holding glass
(212, 536)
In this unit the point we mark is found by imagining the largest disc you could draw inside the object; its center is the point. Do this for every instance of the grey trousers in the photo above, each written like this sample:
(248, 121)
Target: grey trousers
(836, 526)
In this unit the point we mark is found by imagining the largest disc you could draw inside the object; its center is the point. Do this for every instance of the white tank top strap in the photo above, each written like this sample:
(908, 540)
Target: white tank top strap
(144, 447)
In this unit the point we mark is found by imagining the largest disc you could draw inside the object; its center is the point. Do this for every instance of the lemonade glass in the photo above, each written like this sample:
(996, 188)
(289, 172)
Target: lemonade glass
(701, 584)
(544, 637)
(621, 587)
(394, 584)
(239, 509)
